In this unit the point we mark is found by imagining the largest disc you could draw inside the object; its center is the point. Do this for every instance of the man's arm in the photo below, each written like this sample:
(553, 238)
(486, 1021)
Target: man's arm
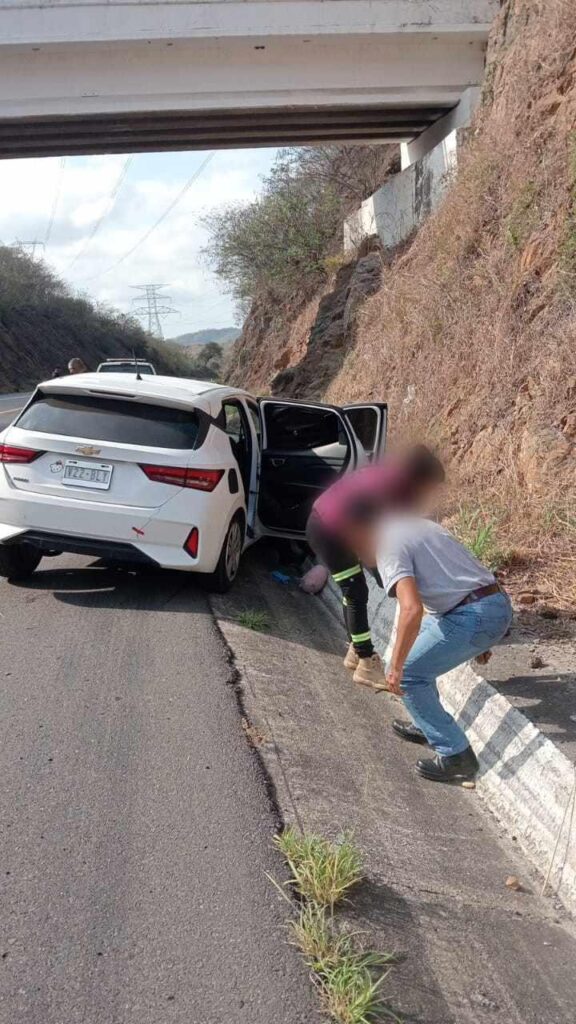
(407, 629)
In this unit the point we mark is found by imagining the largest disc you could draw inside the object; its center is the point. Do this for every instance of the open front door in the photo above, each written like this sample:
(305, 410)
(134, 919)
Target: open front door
(369, 423)
(304, 449)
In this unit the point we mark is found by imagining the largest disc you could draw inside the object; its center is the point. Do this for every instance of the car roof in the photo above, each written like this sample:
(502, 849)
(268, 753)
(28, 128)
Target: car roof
(179, 390)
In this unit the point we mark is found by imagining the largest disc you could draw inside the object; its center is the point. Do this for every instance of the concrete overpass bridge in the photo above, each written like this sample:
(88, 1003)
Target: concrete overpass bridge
(105, 76)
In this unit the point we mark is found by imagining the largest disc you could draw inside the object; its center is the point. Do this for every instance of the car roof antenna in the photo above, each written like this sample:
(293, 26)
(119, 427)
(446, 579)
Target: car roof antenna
(138, 377)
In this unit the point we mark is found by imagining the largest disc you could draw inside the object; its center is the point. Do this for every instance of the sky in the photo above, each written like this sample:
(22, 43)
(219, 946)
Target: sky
(60, 202)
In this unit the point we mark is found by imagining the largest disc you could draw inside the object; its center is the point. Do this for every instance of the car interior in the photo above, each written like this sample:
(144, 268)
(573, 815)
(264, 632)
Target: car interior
(307, 448)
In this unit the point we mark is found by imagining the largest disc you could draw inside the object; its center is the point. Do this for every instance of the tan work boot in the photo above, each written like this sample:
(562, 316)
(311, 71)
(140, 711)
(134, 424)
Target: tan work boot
(370, 672)
(351, 660)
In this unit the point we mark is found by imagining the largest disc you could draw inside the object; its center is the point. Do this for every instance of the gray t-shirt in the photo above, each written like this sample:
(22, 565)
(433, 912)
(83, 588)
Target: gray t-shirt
(444, 570)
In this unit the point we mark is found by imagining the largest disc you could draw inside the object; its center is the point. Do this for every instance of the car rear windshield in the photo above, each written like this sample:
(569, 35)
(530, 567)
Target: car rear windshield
(126, 368)
(112, 419)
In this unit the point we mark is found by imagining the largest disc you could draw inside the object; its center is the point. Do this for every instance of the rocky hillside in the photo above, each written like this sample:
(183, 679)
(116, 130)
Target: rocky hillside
(471, 334)
(302, 346)
(42, 326)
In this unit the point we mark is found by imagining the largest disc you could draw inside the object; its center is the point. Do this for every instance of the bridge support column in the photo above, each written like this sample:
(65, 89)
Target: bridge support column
(429, 163)
(459, 117)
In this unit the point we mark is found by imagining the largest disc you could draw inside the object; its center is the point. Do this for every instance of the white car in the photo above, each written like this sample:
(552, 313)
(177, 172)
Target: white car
(126, 366)
(176, 473)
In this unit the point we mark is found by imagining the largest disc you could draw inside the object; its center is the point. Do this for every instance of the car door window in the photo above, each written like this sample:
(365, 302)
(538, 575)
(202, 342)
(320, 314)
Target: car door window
(292, 428)
(236, 426)
(369, 425)
(365, 424)
(255, 417)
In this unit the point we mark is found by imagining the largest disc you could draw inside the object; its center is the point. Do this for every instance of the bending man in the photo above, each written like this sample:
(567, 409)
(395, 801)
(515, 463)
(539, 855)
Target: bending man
(427, 569)
(340, 531)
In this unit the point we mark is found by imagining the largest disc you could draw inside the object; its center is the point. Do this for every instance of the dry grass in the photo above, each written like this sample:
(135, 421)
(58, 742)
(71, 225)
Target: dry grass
(472, 338)
(322, 872)
(348, 977)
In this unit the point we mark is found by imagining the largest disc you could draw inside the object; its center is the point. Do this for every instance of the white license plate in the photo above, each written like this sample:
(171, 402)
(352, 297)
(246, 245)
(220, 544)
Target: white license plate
(95, 475)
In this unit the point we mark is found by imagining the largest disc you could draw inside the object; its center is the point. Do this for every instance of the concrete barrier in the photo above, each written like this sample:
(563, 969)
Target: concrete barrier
(527, 783)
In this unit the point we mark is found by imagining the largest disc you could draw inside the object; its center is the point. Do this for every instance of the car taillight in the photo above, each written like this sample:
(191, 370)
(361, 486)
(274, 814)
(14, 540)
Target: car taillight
(198, 479)
(191, 543)
(10, 453)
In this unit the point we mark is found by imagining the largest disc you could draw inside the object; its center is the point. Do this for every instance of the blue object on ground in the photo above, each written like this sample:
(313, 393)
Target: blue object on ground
(280, 577)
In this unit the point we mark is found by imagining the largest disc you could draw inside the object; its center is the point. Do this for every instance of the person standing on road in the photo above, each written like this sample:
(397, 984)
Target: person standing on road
(340, 531)
(426, 569)
(77, 365)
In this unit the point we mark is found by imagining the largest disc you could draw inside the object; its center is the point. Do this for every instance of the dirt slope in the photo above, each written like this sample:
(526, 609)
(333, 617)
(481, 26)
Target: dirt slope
(471, 335)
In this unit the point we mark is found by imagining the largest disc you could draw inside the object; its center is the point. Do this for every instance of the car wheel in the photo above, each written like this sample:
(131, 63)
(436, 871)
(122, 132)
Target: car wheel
(18, 561)
(226, 571)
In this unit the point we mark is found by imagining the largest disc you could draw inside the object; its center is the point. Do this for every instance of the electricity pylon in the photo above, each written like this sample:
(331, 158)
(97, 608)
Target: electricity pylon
(153, 307)
(31, 247)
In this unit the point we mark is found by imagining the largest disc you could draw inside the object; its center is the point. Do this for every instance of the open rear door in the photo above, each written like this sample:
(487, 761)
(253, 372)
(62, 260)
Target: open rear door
(305, 447)
(369, 423)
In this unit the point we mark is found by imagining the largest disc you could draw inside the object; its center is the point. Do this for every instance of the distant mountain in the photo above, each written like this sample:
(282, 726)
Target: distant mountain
(223, 335)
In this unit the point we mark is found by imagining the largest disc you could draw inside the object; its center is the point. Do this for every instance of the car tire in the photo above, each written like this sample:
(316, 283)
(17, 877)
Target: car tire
(18, 561)
(220, 581)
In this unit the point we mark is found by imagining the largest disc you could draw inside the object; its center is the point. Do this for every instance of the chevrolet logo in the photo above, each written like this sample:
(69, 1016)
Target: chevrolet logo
(88, 450)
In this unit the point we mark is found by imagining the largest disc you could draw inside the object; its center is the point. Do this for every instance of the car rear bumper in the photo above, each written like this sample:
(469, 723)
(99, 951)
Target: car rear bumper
(114, 531)
(57, 543)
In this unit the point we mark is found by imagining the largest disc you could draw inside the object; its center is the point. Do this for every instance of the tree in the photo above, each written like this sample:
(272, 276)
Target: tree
(277, 243)
(207, 365)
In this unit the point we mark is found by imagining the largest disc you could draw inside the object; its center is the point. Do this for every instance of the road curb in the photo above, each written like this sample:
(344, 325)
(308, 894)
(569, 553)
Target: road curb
(525, 780)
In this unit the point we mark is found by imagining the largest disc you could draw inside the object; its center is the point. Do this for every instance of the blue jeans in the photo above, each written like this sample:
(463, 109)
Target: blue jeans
(443, 643)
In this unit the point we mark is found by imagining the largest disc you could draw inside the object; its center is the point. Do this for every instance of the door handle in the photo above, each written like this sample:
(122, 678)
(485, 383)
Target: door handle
(277, 462)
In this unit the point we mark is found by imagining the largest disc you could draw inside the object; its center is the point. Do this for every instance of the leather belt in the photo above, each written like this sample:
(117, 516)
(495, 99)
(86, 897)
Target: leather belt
(477, 595)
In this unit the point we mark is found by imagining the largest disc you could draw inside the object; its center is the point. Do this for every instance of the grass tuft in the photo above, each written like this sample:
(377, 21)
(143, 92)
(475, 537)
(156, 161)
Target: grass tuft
(348, 978)
(322, 872)
(255, 620)
(351, 989)
(478, 532)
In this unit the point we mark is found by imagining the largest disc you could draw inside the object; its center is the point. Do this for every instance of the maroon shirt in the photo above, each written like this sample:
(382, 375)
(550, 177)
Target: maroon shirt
(363, 495)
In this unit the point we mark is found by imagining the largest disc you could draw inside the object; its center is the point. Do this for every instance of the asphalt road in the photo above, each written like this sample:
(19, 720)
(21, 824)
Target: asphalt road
(9, 406)
(135, 823)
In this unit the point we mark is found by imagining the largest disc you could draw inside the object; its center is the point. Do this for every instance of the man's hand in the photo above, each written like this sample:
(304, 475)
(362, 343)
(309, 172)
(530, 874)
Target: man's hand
(407, 629)
(394, 681)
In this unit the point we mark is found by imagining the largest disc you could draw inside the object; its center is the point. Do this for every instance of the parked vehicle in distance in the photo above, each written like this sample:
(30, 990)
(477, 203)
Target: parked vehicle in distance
(181, 474)
(126, 366)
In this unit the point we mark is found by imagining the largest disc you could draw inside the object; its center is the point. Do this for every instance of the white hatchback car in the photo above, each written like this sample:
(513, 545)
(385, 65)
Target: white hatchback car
(176, 473)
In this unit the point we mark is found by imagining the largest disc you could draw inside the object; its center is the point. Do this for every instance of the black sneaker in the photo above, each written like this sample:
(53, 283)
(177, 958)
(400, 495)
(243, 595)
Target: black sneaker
(408, 731)
(456, 768)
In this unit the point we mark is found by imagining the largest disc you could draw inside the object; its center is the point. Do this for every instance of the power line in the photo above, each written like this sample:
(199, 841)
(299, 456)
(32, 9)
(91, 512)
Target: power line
(107, 210)
(155, 308)
(56, 199)
(157, 223)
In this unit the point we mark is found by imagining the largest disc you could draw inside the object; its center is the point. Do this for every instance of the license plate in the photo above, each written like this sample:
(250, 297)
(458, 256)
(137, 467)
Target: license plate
(96, 475)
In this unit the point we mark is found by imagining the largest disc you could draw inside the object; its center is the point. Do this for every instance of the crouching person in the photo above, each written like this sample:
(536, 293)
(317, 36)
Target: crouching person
(341, 532)
(428, 570)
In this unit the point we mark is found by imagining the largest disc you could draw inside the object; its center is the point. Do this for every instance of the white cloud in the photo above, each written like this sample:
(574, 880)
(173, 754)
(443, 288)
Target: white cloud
(172, 253)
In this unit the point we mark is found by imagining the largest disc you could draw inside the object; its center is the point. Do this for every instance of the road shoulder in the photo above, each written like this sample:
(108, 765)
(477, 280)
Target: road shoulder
(472, 950)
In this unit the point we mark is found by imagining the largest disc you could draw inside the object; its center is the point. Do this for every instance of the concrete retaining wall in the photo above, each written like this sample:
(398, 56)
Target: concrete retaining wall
(429, 164)
(396, 209)
(525, 780)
